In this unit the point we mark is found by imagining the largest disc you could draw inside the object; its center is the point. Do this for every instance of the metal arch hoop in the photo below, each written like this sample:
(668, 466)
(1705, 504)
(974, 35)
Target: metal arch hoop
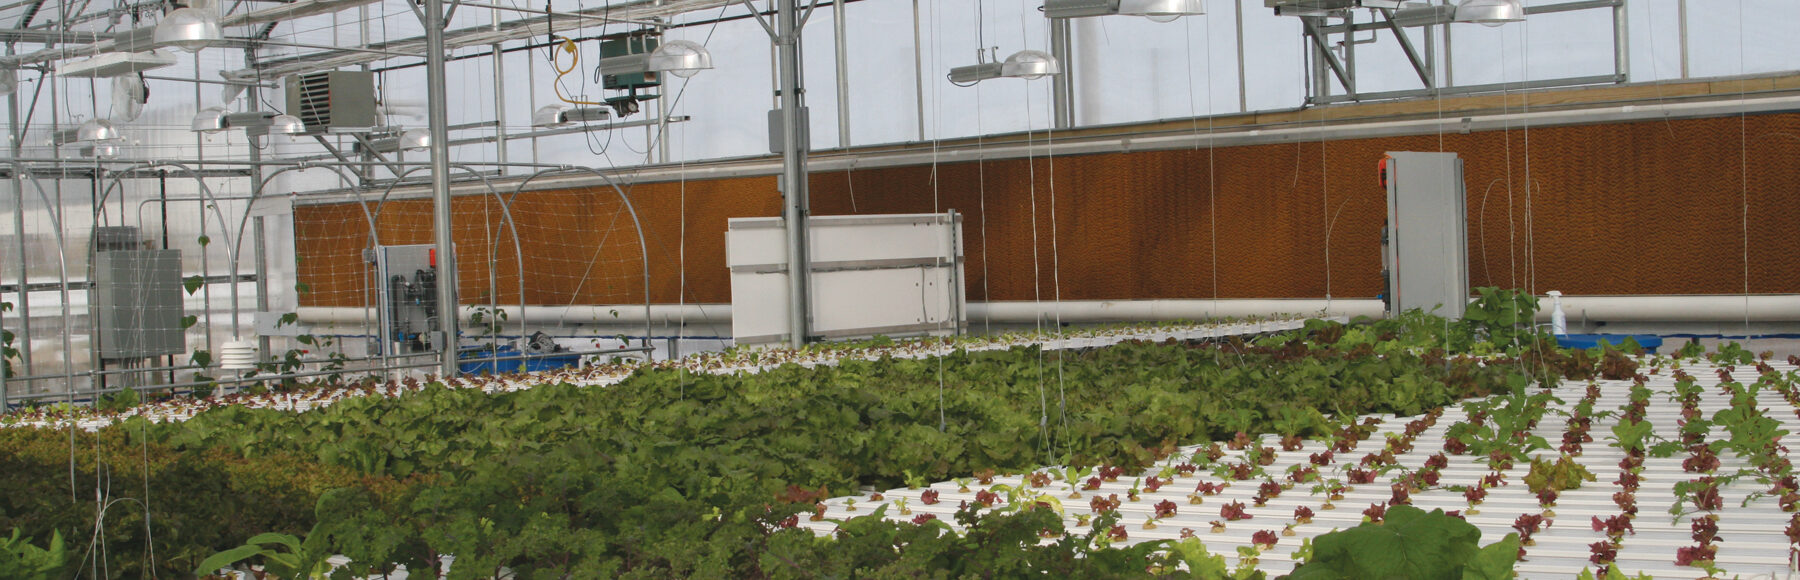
(62, 271)
(231, 248)
(506, 219)
(374, 234)
(643, 249)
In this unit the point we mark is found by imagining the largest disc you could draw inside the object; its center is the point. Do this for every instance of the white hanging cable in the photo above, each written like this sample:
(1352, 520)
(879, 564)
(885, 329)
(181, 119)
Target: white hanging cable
(1512, 230)
(937, 130)
(987, 316)
(1525, 113)
(1212, 179)
(1062, 402)
(1036, 264)
(1744, 174)
(681, 271)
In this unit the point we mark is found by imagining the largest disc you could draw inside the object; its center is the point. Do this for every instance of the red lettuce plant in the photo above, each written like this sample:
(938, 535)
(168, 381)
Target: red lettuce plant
(1234, 511)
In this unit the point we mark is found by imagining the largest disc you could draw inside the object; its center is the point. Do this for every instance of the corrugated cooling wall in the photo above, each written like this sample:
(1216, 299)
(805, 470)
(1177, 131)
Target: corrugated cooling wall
(1665, 207)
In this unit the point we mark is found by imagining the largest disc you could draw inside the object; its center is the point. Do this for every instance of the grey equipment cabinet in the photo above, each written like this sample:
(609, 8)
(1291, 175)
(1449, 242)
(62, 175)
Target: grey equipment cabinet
(137, 303)
(1426, 250)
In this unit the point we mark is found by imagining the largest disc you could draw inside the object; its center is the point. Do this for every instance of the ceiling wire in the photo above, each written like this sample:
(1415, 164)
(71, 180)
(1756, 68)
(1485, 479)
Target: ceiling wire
(1062, 401)
(1036, 262)
(937, 131)
(1525, 114)
(1744, 172)
(981, 174)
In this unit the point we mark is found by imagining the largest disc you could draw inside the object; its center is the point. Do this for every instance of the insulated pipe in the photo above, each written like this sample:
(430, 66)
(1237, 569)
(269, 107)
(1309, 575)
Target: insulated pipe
(1005, 312)
(1091, 311)
(1715, 308)
(633, 314)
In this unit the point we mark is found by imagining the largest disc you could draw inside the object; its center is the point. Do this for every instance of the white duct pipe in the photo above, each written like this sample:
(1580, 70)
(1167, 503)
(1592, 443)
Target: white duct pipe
(1086, 311)
(548, 315)
(1764, 308)
(1091, 311)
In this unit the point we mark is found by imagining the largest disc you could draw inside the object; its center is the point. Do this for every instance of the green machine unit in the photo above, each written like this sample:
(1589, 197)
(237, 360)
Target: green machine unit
(624, 67)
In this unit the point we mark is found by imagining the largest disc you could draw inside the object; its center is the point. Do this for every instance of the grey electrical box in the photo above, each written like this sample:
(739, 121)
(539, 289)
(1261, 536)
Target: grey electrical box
(776, 123)
(1427, 241)
(136, 301)
(409, 312)
(333, 101)
(114, 238)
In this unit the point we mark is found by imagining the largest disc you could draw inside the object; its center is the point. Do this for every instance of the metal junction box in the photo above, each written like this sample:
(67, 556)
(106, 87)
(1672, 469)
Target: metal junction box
(1426, 249)
(137, 303)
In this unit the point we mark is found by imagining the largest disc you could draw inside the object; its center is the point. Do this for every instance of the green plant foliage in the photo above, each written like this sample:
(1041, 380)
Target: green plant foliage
(1410, 543)
(673, 474)
(1691, 350)
(1732, 353)
(1562, 474)
(1504, 316)
(119, 401)
(201, 501)
(9, 353)
(21, 560)
(1612, 573)
(294, 560)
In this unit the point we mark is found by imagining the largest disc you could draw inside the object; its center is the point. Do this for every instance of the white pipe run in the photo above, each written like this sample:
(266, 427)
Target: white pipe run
(1091, 311)
(547, 315)
(1755, 308)
(1026, 312)
(1763, 308)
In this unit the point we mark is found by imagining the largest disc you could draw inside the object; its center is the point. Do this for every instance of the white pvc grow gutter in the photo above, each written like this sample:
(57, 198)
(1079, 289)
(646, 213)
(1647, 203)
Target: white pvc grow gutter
(1751, 545)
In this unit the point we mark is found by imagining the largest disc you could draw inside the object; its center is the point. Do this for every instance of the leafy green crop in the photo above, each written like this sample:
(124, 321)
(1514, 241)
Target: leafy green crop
(21, 560)
(1410, 543)
(1562, 474)
(1504, 316)
(672, 474)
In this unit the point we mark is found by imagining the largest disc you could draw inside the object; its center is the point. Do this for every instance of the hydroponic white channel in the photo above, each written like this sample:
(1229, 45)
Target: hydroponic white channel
(1752, 541)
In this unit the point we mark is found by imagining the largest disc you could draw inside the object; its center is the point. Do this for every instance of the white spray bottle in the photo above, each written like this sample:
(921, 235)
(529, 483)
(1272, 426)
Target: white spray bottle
(1559, 322)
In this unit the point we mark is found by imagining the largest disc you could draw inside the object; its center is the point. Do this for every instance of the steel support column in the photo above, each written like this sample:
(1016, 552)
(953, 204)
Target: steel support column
(1681, 17)
(16, 138)
(840, 40)
(918, 68)
(1062, 92)
(499, 100)
(438, 116)
(260, 248)
(793, 173)
(1621, 43)
(1237, 9)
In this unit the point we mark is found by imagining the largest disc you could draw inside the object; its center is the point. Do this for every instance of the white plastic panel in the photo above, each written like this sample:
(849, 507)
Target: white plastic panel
(871, 274)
